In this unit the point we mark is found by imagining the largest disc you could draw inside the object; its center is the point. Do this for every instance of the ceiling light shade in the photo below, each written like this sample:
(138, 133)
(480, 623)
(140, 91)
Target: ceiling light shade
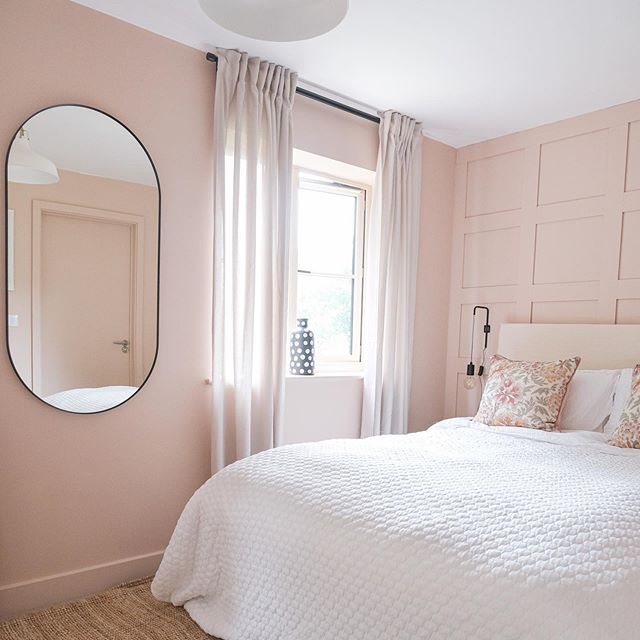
(27, 166)
(277, 20)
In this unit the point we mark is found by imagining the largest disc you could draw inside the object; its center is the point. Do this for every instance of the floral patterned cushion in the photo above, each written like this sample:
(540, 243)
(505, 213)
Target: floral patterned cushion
(525, 394)
(627, 435)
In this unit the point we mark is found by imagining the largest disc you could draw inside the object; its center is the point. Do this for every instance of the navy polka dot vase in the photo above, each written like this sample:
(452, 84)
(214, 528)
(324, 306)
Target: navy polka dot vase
(302, 350)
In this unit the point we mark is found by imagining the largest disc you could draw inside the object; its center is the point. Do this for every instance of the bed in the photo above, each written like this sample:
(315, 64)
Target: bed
(91, 399)
(462, 531)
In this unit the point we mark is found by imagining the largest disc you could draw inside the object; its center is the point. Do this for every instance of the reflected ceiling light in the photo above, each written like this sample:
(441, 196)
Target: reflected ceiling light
(277, 20)
(27, 166)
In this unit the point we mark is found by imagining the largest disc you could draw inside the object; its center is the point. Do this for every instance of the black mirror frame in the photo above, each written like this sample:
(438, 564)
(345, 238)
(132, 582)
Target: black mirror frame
(6, 257)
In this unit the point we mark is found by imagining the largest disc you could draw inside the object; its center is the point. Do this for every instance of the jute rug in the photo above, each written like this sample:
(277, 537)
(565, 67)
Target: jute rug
(127, 612)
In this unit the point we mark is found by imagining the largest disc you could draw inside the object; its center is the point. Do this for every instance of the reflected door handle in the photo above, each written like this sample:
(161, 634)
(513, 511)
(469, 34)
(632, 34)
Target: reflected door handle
(124, 344)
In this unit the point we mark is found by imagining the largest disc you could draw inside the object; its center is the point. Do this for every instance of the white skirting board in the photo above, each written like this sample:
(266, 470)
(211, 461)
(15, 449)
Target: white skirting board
(23, 597)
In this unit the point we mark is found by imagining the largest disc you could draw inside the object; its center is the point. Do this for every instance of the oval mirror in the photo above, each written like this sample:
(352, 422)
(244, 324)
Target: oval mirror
(82, 252)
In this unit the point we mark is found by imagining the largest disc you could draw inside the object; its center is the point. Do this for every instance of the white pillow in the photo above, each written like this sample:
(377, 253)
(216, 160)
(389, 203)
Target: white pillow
(589, 400)
(622, 393)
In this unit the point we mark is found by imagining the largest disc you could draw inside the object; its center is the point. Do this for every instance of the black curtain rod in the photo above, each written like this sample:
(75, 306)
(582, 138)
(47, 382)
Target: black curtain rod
(212, 57)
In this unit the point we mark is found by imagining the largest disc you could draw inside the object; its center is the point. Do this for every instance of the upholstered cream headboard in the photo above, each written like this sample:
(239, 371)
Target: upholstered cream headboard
(601, 346)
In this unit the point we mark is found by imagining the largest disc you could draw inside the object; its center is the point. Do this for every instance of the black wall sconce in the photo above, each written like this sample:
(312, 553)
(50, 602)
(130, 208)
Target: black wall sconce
(470, 380)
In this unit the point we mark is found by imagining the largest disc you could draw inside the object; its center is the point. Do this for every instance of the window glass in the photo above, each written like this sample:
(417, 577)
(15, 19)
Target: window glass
(326, 231)
(327, 265)
(327, 302)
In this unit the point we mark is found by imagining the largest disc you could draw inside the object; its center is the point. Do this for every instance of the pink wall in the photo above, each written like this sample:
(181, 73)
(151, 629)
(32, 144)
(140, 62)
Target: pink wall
(546, 229)
(328, 406)
(90, 501)
(322, 407)
(335, 401)
(432, 295)
(341, 136)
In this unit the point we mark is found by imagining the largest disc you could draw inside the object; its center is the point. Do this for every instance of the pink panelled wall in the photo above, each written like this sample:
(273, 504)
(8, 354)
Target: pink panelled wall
(546, 229)
(87, 502)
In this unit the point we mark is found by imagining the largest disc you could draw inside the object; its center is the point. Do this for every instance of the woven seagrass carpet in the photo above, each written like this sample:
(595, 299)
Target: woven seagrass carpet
(127, 612)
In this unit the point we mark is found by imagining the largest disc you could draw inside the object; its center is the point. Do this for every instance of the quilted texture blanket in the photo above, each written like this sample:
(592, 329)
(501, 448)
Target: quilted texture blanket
(461, 532)
(90, 400)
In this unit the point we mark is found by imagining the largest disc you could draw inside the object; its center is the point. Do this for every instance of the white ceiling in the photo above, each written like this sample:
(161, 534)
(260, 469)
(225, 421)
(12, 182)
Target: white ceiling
(87, 141)
(468, 69)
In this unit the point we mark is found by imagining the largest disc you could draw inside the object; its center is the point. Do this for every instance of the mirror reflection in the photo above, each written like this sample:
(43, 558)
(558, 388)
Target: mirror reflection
(82, 259)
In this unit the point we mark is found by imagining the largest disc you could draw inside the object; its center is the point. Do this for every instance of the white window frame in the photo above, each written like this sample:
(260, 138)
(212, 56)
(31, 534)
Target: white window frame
(332, 183)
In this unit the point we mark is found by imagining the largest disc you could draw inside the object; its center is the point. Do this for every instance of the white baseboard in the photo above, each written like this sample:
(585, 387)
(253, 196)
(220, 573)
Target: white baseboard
(22, 597)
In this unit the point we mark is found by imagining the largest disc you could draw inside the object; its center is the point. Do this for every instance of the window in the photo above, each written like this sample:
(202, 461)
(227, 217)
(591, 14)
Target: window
(328, 264)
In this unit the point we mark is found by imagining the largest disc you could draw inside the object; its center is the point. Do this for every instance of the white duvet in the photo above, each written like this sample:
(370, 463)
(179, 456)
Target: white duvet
(90, 399)
(460, 532)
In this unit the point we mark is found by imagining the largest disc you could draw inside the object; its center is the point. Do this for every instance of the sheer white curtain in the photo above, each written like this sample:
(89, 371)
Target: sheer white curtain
(252, 206)
(391, 272)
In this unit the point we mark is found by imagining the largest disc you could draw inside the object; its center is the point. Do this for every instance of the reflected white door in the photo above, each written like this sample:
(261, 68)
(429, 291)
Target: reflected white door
(85, 302)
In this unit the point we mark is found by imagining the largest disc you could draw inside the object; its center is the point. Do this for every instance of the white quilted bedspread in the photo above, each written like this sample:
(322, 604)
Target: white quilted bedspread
(90, 399)
(461, 532)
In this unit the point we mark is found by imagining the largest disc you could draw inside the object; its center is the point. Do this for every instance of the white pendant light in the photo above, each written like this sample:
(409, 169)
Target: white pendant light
(277, 20)
(27, 166)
